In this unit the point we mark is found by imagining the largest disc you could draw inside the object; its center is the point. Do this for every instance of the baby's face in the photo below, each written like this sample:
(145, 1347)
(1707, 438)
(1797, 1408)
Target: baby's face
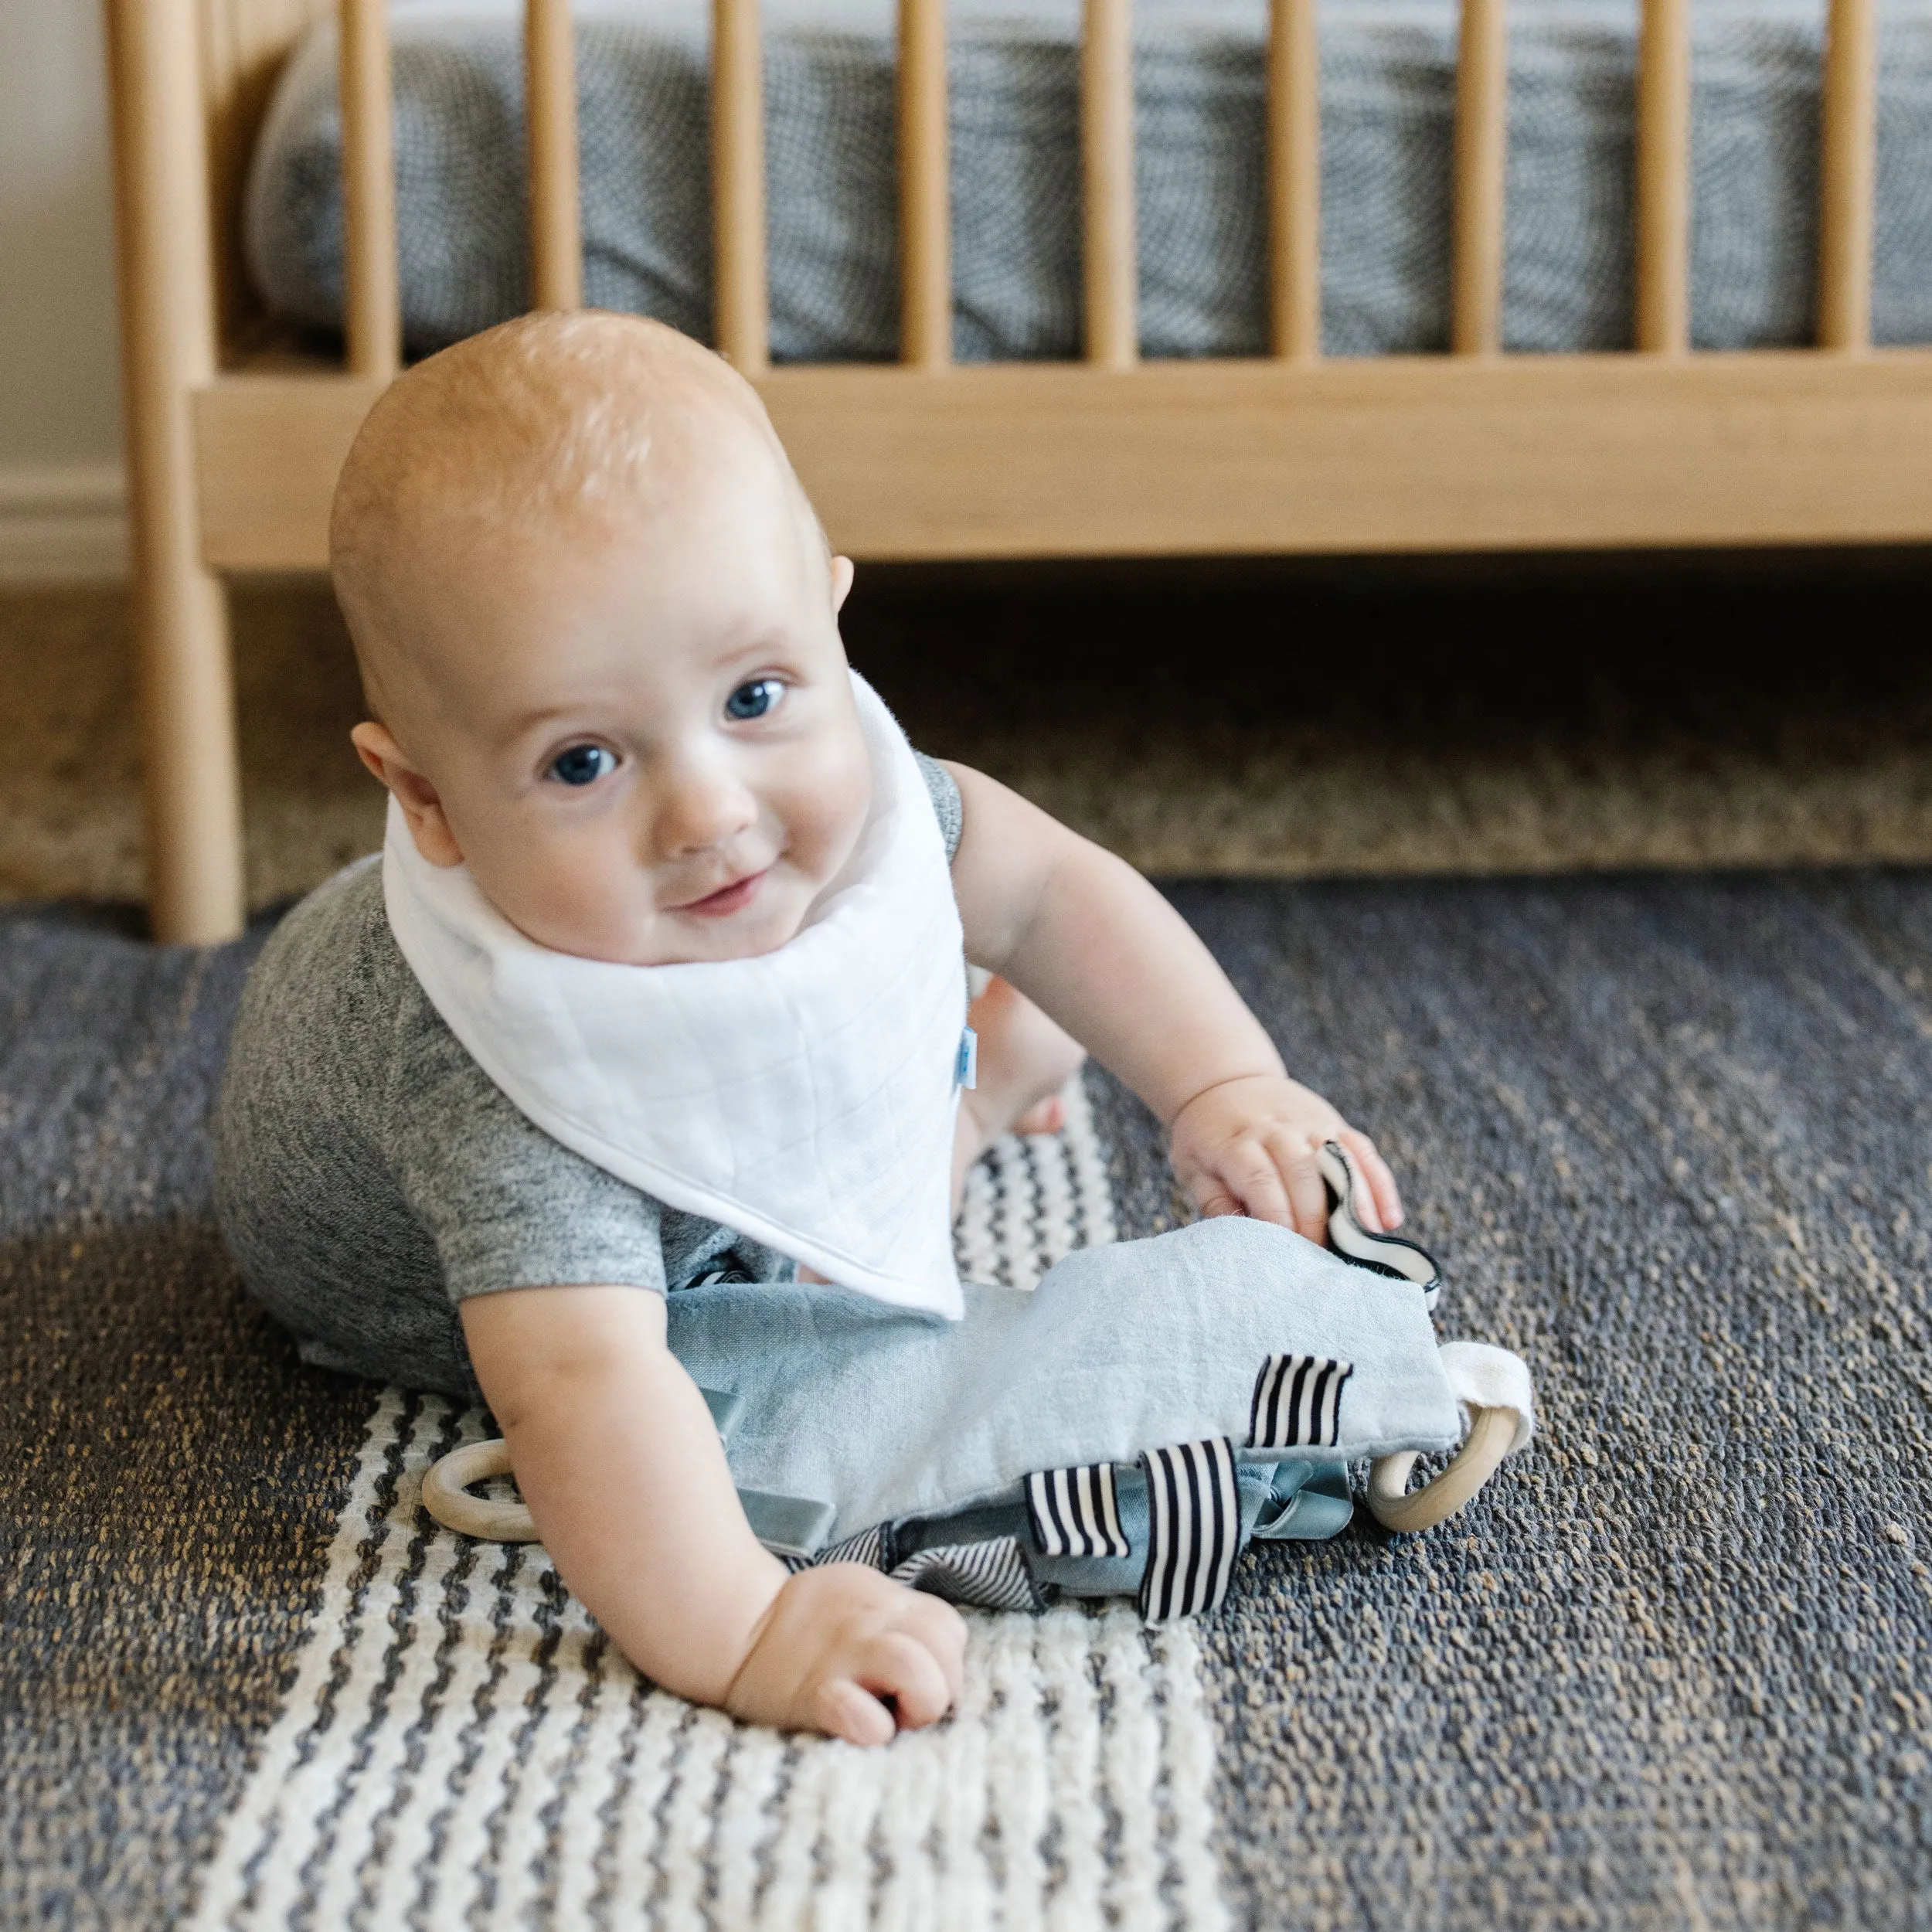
(640, 732)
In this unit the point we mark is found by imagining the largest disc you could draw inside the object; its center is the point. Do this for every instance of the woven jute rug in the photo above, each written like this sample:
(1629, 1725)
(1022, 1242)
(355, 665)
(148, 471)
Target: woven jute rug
(246, 1682)
(1672, 1137)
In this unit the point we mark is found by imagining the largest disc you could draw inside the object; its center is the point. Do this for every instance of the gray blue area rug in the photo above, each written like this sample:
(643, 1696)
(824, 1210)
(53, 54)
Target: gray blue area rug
(1670, 1138)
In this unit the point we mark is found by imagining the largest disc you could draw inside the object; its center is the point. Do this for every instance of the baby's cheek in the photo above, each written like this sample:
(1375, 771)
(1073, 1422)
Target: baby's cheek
(576, 895)
(824, 815)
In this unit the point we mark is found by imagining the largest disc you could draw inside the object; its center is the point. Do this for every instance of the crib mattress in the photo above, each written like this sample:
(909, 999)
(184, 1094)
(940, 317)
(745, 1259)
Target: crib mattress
(1387, 89)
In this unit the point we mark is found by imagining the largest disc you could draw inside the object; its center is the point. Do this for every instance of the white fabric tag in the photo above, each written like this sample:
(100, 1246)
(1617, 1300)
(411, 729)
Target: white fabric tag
(1484, 1376)
(805, 1097)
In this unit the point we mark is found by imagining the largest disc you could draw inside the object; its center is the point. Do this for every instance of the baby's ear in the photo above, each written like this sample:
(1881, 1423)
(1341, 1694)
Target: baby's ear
(376, 746)
(841, 575)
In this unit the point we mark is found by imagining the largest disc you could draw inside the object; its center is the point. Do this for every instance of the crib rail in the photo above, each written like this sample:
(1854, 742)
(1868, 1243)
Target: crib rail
(1482, 73)
(1109, 284)
(1289, 450)
(1663, 179)
(744, 317)
(372, 314)
(1662, 323)
(925, 185)
(550, 94)
(1847, 175)
(1294, 182)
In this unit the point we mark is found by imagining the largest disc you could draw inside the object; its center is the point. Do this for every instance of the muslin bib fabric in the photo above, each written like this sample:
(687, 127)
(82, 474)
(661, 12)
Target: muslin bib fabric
(805, 1097)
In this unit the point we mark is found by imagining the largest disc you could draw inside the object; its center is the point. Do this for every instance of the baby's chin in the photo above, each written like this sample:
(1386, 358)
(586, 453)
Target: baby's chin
(714, 945)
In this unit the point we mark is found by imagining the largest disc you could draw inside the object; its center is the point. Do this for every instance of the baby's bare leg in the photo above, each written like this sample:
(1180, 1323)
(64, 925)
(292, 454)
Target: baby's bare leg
(1024, 1059)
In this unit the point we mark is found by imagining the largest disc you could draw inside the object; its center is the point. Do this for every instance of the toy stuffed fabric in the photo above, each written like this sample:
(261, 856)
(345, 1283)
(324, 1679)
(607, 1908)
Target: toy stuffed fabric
(1123, 1429)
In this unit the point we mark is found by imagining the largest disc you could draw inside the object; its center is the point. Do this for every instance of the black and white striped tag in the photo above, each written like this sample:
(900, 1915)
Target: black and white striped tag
(868, 1547)
(1076, 1512)
(992, 1575)
(1388, 1254)
(1297, 1403)
(983, 1576)
(1194, 1528)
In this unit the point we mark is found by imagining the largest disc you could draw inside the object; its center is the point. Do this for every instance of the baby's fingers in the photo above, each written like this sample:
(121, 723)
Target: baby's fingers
(942, 1630)
(1251, 1173)
(1301, 1171)
(1385, 1199)
(1212, 1200)
(842, 1709)
(896, 1665)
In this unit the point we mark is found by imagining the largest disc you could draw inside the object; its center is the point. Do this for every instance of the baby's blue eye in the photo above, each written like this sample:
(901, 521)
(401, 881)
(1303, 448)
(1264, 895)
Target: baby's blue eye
(582, 765)
(754, 699)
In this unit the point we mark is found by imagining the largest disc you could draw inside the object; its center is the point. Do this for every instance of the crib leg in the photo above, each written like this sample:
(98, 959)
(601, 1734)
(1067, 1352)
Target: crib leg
(190, 793)
(167, 350)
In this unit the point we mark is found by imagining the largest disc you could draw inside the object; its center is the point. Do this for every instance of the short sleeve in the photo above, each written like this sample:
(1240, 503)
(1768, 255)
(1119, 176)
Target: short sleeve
(948, 808)
(506, 1206)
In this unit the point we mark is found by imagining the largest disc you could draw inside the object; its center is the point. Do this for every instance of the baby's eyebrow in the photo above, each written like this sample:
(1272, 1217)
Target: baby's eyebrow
(527, 722)
(755, 644)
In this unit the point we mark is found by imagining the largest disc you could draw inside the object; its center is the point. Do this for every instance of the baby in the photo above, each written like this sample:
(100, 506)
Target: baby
(596, 621)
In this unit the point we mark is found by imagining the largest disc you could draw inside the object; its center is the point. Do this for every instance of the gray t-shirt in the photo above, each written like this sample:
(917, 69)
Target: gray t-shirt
(370, 1176)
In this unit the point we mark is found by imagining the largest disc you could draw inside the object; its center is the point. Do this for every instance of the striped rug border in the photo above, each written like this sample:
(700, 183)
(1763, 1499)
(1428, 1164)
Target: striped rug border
(460, 1747)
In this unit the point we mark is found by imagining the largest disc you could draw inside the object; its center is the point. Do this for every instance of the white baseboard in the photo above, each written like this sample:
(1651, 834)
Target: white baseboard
(62, 523)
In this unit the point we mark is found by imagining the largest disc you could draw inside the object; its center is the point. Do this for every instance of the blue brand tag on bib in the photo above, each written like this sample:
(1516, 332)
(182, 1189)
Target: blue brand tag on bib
(966, 1067)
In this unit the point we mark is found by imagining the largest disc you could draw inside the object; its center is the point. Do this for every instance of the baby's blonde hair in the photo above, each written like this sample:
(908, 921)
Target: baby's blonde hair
(552, 418)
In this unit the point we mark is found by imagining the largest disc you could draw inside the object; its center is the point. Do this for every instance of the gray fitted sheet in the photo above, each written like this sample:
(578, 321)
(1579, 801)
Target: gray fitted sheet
(1387, 92)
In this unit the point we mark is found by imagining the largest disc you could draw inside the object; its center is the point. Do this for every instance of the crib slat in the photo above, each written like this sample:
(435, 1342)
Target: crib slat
(372, 317)
(743, 319)
(1482, 110)
(1663, 179)
(925, 187)
(550, 94)
(1107, 183)
(1295, 180)
(1848, 165)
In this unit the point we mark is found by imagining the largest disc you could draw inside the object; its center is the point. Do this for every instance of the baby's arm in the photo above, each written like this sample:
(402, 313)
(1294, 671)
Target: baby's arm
(619, 1461)
(1092, 943)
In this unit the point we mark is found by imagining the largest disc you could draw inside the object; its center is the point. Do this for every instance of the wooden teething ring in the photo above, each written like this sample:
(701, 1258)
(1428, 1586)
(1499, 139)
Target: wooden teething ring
(446, 1494)
(1491, 1433)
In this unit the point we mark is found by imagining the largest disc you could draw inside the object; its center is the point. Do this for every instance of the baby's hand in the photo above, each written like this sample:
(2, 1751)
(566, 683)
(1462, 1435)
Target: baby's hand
(1249, 1146)
(838, 1641)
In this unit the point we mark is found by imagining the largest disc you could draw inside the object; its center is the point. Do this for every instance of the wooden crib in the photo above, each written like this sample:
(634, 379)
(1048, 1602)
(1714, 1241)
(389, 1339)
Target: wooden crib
(234, 440)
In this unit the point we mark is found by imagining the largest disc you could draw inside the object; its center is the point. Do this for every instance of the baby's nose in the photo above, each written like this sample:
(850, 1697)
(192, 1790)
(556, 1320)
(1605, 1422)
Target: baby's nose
(702, 808)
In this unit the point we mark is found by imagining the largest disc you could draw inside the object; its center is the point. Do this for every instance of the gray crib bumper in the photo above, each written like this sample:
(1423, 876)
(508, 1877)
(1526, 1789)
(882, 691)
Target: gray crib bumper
(1387, 91)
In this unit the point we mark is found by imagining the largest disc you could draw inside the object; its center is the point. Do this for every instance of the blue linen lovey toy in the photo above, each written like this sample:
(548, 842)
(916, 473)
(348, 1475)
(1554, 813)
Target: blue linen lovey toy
(1124, 1429)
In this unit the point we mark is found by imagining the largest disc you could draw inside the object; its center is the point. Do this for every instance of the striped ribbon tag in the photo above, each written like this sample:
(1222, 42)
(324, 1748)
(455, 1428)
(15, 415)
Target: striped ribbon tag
(868, 1547)
(990, 1574)
(1297, 1403)
(1194, 1529)
(1076, 1512)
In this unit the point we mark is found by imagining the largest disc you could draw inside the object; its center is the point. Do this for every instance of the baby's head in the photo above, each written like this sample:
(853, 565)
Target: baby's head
(596, 622)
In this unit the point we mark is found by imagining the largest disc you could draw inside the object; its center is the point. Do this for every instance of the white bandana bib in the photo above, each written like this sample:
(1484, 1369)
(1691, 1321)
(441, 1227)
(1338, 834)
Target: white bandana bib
(805, 1098)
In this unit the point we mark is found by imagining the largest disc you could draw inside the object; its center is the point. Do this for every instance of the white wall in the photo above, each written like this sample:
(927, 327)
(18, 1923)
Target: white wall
(60, 387)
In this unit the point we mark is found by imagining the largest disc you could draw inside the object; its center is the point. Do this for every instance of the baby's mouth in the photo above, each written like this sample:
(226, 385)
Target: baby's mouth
(726, 899)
